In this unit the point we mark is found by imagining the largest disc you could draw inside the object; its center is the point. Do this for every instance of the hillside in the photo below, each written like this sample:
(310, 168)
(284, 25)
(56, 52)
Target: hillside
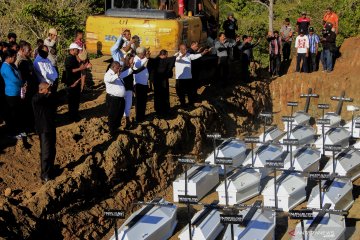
(97, 173)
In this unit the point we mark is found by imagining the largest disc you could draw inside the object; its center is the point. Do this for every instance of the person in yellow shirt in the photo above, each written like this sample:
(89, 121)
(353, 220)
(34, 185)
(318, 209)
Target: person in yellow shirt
(331, 17)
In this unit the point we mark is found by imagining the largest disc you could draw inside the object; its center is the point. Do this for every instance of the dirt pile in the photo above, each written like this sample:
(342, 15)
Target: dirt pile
(96, 172)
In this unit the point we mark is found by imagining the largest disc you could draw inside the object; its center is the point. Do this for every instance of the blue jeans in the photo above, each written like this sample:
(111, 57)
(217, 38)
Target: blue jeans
(327, 60)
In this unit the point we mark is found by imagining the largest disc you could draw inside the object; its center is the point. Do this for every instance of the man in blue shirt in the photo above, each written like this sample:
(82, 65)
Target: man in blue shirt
(313, 49)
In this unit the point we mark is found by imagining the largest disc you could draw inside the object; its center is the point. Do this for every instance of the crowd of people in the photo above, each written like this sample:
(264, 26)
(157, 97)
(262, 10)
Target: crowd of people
(28, 87)
(307, 44)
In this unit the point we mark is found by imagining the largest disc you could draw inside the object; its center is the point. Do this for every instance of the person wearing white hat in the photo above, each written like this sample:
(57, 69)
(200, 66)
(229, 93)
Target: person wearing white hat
(73, 70)
(51, 42)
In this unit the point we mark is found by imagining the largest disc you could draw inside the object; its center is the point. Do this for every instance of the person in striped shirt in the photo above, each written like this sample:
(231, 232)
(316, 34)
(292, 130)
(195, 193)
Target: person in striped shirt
(313, 49)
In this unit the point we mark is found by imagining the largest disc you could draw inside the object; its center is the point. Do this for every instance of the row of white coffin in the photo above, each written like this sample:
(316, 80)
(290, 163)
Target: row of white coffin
(159, 222)
(247, 183)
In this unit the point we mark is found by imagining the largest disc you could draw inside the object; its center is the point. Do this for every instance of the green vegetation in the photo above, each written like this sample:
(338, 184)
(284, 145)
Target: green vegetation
(30, 19)
(253, 18)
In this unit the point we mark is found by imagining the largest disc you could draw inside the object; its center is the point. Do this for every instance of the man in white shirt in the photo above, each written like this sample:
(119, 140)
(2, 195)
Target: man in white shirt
(184, 82)
(302, 48)
(45, 71)
(141, 82)
(115, 90)
(122, 46)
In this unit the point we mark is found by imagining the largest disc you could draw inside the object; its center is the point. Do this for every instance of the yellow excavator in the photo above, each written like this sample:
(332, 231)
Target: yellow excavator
(159, 24)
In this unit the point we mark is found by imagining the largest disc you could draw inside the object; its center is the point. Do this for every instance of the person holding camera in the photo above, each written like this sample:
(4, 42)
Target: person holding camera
(328, 42)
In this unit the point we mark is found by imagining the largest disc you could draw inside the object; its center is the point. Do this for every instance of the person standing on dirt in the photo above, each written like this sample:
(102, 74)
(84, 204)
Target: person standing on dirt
(303, 23)
(223, 47)
(314, 41)
(160, 72)
(121, 46)
(331, 17)
(73, 71)
(51, 42)
(302, 48)
(13, 89)
(27, 74)
(328, 42)
(184, 82)
(115, 92)
(274, 53)
(44, 106)
(230, 26)
(286, 33)
(141, 82)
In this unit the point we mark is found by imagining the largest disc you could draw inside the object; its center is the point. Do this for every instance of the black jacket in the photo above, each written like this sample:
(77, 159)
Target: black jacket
(44, 107)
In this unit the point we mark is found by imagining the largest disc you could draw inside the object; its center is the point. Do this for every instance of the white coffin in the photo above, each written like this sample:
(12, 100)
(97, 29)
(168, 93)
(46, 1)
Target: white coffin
(157, 224)
(331, 227)
(335, 136)
(262, 154)
(334, 122)
(230, 148)
(241, 186)
(347, 164)
(272, 134)
(300, 118)
(339, 195)
(261, 226)
(304, 159)
(305, 135)
(357, 145)
(290, 191)
(201, 179)
(208, 228)
(356, 131)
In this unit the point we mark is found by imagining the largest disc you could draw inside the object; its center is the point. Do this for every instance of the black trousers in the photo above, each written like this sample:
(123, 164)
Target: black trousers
(286, 50)
(116, 107)
(185, 87)
(47, 153)
(275, 62)
(161, 96)
(312, 62)
(301, 57)
(15, 119)
(141, 99)
(223, 70)
(74, 101)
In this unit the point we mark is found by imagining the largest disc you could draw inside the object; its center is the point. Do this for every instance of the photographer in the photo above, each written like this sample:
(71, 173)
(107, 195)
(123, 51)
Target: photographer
(328, 41)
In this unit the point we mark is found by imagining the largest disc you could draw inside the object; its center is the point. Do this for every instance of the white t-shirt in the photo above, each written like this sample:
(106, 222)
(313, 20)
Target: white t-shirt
(143, 76)
(302, 44)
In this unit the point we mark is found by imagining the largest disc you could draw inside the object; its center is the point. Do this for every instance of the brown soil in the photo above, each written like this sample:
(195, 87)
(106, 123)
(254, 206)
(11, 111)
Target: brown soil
(96, 173)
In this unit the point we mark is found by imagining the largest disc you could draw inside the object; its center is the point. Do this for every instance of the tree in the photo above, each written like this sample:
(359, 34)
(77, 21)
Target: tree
(270, 6)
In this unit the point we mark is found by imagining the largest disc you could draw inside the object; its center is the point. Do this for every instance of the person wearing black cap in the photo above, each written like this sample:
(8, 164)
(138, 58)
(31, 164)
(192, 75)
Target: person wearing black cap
(328, 42)
(313, 49)
(303, 23)
(230, 26)
(302, 49)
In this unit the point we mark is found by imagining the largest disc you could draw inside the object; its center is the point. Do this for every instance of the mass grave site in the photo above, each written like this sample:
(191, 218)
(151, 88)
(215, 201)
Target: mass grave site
(266, 136)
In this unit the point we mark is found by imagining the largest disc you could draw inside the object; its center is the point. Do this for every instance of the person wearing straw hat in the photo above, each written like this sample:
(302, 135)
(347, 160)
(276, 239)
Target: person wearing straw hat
(73, 69)
(51, 42)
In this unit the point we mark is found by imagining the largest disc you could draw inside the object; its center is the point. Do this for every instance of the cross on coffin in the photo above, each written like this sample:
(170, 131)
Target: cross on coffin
(308, 97)
(266, 116)
(341, 100)
(325, 209)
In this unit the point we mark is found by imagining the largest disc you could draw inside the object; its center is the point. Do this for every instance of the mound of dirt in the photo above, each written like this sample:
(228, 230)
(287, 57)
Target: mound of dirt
(95, 172)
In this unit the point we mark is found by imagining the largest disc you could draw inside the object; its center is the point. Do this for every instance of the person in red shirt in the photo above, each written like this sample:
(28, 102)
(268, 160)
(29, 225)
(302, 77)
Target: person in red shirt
(331, 17)
(303, 23)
